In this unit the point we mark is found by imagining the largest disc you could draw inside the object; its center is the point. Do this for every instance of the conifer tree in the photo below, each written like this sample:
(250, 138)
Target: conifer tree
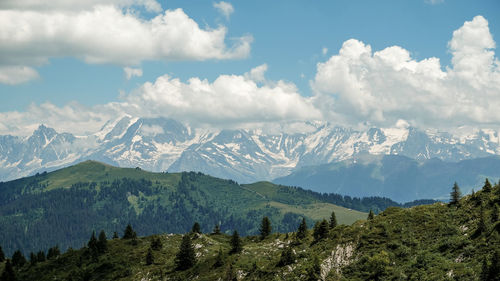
(495, 214)
(314, 269)
(236, 246)
(115, 235)
(8, 272)
(219, 259)
(2, 255)
(302, 230)
(455, 195)
(265, 227)
(92, 244)
(371, 215)
(487, 186)
(185, 258)
(481, 226)
(33, 259)
(18, 259)
(287, 257)
(494, 268)
(320, 230)
(196, 228)
(484, 275)
(216, 229)
(149, 257)
(333, 220)
(230, 274)
(53, 252)
(129, 233)
(102, 243)
(156, 244)
(40, 256)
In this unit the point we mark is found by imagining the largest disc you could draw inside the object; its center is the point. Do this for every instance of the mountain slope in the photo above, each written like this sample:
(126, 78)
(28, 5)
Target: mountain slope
(397, 177)
(432, 242)
(61, 207)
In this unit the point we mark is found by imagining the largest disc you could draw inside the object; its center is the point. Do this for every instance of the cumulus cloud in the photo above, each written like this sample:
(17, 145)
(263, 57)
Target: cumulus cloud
(358, 85)
(229, 99)
(108, 34)
(224, 8)
(132, 72)
(257, 74)
(16, 74)
(149, 5)
(227, 102)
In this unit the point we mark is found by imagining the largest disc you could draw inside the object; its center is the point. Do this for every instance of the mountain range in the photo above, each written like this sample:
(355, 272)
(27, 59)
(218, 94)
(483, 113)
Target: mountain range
(161, 144)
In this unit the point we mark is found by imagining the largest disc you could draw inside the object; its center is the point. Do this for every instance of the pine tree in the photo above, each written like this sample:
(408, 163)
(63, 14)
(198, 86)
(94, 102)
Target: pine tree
(371, 215)
(320, 230)
(92, 244)
(314, 269)
(149, 257)
(8, 272)
(484, 275)
(333, 220)
(235, 243)
(156, 244)
(481, 226)
(494, 269)
(487, 186)
(2, 255)
(18, 259)
(265, 227)
(40, 256)
(230, 274)
(216, 229)
(185, 258)
(102, 243)
(196, 228)
(495, 214)
(33, 259)
(129, 232)
(287, 257)
(455, 195)
(53, 252)
(219, 259)
(115, 235)
(302, 230)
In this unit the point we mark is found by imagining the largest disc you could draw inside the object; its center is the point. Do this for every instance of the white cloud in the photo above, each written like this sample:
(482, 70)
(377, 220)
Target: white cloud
(151, 130)
(16, 74)
(257, 74)
(358, 85)
(229, 101)
(149, 5)
(324, 51)
(132, 72)
(224, 8)
(108, 34)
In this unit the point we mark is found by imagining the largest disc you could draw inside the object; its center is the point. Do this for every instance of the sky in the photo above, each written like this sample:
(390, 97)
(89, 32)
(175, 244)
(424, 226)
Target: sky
(73, 65)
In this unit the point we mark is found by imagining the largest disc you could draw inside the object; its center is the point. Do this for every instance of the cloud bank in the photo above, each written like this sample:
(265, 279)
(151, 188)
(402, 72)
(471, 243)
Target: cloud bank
(358, 85)
(32, 32)
(355, 87)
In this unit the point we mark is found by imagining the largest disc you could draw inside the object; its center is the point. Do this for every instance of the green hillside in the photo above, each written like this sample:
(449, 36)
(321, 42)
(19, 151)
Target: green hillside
(431, 242)
(64, 206)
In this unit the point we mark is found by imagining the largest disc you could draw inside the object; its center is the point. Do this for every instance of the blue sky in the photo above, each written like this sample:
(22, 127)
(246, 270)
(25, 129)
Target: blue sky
(290, 37)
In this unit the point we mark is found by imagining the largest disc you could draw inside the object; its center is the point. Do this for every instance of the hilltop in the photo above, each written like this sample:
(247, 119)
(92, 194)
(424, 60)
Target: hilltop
(430, 242)
(64, 206)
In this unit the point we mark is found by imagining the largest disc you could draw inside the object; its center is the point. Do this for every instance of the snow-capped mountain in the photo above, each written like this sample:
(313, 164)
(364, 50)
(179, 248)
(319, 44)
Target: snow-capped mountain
(161, 144)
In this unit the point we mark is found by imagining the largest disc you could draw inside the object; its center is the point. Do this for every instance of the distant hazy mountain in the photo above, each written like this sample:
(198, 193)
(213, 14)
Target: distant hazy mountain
(161, 144)
(397, 177)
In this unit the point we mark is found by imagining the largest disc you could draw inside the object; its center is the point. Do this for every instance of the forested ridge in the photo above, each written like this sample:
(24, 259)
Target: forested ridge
(459, 240)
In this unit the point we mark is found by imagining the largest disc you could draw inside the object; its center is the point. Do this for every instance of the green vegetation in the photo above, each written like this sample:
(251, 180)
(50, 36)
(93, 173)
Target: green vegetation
(64, 207)
(432, 242)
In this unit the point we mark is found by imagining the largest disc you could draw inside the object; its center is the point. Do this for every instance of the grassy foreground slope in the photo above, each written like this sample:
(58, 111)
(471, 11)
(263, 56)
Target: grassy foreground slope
(64, 206)
(431, 242)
